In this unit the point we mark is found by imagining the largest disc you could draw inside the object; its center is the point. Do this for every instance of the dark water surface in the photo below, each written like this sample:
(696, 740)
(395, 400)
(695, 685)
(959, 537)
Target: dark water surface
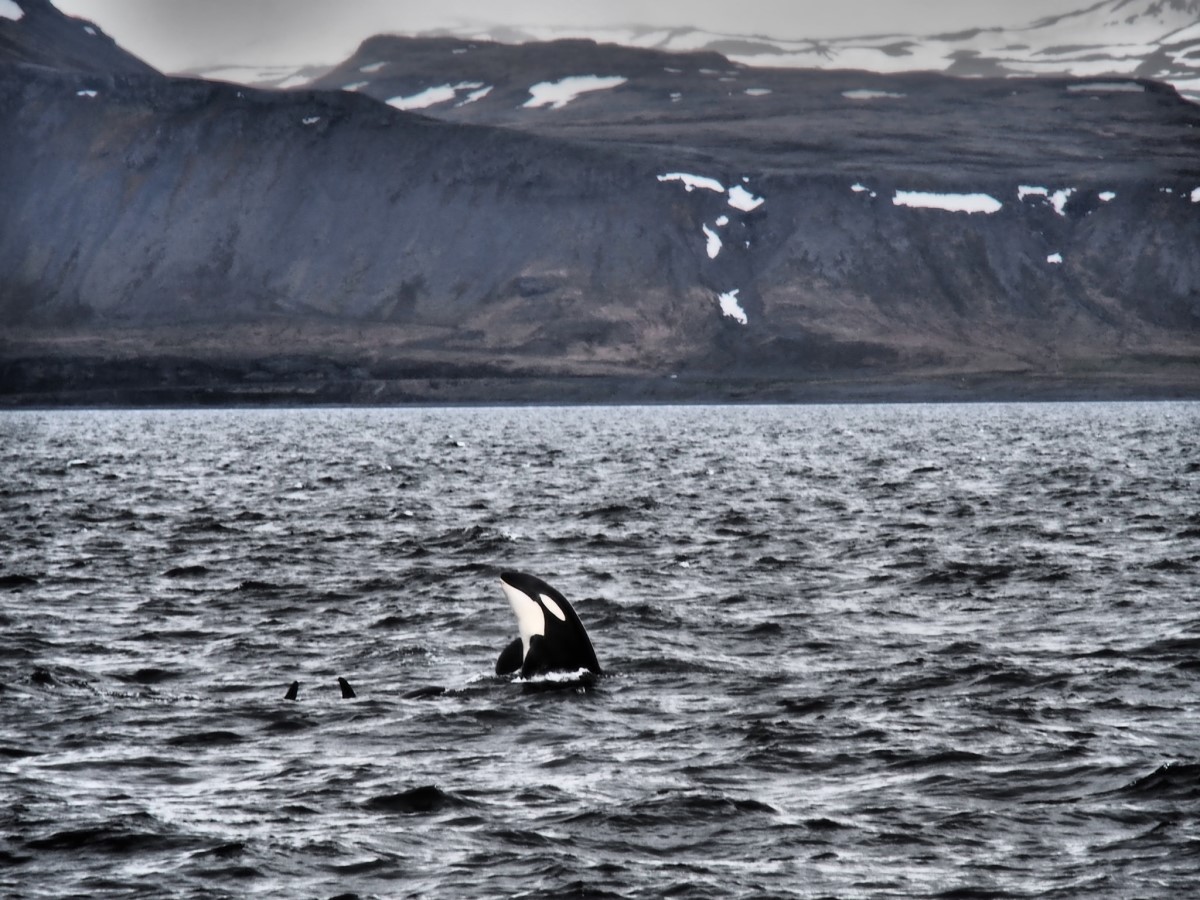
(854, 651)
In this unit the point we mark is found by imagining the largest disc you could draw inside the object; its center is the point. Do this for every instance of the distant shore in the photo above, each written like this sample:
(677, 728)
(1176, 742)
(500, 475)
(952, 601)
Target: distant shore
(600, 390)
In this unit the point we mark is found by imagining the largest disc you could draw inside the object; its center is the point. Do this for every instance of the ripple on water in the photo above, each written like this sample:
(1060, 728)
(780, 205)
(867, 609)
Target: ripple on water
(904, 651)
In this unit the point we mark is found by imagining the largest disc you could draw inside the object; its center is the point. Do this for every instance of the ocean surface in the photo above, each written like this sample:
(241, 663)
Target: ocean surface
(851, 651)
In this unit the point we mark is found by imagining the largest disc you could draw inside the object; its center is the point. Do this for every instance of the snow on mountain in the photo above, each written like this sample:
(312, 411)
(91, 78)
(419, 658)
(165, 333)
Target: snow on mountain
(1157, 39)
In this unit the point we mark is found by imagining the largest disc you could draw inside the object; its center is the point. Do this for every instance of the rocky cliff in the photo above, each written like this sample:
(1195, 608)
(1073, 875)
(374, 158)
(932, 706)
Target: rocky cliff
(445, 219)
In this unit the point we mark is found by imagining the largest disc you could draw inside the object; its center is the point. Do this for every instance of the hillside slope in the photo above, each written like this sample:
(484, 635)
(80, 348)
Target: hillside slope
(772, 234)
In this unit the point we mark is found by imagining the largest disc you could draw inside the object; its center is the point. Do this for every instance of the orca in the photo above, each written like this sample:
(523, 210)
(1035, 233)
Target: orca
(552, 637)
(292, 691)
(347, 691)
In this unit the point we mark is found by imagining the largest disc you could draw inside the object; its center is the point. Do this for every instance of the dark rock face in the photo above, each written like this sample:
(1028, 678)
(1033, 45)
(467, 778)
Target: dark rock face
(174, 240)
(43, 36)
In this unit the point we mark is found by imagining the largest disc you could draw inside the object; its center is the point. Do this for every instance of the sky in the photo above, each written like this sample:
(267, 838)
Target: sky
(178, 35)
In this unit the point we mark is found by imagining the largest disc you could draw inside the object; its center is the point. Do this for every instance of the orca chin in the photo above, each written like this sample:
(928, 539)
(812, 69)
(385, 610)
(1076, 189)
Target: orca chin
(552, 639)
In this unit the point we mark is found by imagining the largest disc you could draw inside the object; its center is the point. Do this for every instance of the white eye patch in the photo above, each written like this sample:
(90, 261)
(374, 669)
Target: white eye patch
(554, 608)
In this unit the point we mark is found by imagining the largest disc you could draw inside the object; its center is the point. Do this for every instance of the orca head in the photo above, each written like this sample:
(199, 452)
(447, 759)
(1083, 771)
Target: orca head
(552, 637)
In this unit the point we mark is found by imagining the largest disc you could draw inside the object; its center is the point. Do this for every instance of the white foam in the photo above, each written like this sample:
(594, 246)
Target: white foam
(731, 308)
(372, 67)
(10, 10)
(676, 96)
(579, 675)
(968, 203)
(1054, 258)
(1107, 196)
(757, 92)
(557, 94)
(740, 198)
(714, 242)
(860, 188)
(722, 221)
(86, 93)
(1196, 195)
(311, 120)
(691, 182)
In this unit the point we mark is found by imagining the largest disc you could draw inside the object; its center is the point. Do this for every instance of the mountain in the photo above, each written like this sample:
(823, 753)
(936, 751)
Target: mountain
(449, 219)
(1153, 39)
(34, 32)
(1150, 39)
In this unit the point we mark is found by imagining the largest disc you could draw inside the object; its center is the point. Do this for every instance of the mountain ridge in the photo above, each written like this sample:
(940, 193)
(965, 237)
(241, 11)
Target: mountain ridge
(1147, 39)
(180, 240)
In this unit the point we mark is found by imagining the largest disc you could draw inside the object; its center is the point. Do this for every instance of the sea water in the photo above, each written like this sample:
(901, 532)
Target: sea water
(851, 651)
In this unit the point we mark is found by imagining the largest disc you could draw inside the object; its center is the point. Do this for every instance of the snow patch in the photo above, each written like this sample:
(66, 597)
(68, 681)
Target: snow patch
(1054, 258)
(311, 120)
(860, 188)
(740, 198)
(1107, 87)
(557, 94)
(868, 94)
(86, 93)
(714, 242)
(968, 203)
(691, 182)
(731, 308)
(1059, 200)
(355, 86)
(722, 221)
(1196, 195)
(10, 10)
(372, 67)
(431, 96)
(88, 29)
(1107, 196)
(757, 92)
(478, 94)
(676, 96)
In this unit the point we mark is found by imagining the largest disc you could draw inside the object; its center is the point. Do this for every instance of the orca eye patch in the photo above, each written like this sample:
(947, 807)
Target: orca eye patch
(554, 608)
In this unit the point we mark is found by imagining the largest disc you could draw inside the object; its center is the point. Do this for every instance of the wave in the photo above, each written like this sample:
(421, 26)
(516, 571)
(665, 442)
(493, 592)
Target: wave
(134, 835)
(421, 800)
(1171, 780)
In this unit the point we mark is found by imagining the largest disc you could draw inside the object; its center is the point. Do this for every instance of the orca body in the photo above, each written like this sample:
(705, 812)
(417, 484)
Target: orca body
(552, 637)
